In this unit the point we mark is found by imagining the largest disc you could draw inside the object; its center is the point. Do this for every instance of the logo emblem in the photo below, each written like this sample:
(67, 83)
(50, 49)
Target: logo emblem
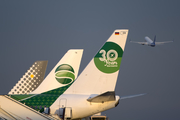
(64, 74)
(108, 59)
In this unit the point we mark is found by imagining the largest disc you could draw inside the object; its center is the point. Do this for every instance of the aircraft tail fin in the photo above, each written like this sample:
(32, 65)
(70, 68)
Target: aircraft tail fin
(100, 75)
(31, 79)
(64, 72)
(154, 39)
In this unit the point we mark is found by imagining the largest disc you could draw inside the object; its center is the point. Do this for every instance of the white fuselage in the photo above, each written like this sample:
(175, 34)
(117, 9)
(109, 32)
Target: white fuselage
(80, 106)
(148, 40)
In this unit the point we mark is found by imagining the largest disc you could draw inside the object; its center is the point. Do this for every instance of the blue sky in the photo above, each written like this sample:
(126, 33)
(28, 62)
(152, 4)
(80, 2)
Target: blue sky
(45, 30)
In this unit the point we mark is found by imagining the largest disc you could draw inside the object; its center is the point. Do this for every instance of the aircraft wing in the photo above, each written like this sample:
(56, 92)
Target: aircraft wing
(142, 43)
(159, 43)
(131, 96)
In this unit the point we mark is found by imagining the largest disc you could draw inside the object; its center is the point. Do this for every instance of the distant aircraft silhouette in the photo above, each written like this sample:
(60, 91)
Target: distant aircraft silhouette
(151, 43)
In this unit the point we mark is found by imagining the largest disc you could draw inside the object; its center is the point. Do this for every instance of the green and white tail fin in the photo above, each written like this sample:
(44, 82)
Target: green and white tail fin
(100, 75)
(31, 79)
(64, 73)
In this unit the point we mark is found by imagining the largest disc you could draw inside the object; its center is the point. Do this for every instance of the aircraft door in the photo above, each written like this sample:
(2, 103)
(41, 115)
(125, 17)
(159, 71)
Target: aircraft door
(62, 105)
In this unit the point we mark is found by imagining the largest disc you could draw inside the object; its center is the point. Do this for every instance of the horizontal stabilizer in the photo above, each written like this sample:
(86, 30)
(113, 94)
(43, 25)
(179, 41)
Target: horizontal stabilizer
(107, 96)
(131, 96)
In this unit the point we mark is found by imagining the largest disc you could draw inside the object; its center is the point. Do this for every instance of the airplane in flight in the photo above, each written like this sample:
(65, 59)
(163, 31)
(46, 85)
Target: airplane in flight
(151, 43)
(92, 92)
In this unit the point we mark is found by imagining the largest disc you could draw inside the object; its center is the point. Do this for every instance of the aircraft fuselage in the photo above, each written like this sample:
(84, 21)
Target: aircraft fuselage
(150, 42)
(79, 105)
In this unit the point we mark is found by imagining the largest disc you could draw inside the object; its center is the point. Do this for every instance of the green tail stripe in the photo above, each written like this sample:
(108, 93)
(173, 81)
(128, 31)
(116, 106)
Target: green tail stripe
(65, 74)
(20, 97)
(39, 101)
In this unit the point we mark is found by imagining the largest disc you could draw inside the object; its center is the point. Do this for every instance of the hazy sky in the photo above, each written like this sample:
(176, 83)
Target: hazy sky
(45, 30)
